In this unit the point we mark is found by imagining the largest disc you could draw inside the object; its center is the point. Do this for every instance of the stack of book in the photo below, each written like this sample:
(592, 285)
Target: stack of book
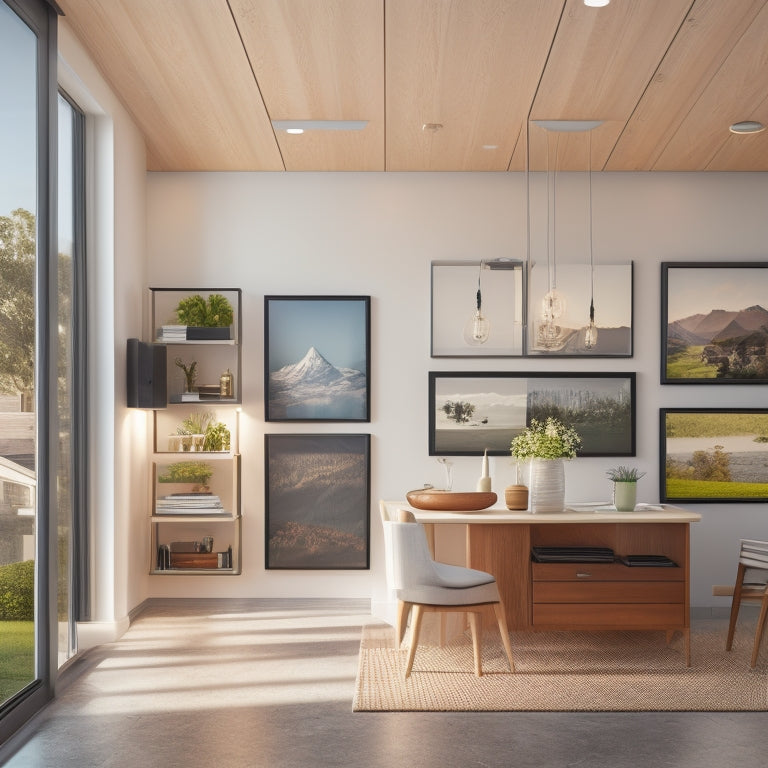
(172, 333)
(189, 504)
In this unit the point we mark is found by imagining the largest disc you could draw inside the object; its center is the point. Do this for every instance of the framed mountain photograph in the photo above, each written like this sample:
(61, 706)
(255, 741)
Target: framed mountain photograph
(714, 323)
(316, 358)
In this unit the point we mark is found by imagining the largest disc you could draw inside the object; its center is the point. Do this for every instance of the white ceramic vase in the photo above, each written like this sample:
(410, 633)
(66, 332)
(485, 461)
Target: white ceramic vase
(546, 485)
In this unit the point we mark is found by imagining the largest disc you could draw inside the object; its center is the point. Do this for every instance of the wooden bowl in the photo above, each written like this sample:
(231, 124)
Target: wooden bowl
(447, 501)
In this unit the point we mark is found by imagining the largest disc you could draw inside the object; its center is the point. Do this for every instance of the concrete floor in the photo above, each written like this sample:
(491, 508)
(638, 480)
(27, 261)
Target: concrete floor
(252, 683)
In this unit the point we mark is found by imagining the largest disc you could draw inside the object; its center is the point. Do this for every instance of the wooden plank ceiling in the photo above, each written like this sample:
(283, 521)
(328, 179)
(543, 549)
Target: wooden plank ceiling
(204, 79)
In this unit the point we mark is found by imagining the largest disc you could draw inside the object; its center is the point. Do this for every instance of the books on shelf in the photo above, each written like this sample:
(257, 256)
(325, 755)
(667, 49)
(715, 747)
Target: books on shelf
(172, 333)
(167, 559)
(177, 333)
(189, 504)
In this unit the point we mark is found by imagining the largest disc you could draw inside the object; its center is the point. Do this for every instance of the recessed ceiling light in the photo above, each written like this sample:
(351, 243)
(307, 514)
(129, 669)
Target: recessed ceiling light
(747, 126)
(568, 126)
(596, 3)
(299, 126)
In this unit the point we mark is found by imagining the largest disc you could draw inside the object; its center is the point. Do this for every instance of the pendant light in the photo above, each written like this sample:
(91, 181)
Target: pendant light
(478, 328)
(553, 303)
(590, 333)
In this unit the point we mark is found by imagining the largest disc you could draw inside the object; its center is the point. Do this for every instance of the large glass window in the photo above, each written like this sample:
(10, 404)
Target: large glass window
(18, 433)
(28, 359)
(70, 485)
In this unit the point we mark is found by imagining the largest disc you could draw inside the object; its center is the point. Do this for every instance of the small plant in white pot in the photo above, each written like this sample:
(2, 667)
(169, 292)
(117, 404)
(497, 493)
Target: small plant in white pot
(624, 487)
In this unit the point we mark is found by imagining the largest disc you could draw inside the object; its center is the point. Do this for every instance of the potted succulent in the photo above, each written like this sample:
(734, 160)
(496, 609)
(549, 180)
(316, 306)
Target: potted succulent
(206, 319)
(624, 487)
(545, 444)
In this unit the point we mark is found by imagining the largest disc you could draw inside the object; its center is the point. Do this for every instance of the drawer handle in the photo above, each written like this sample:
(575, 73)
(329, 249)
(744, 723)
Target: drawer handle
(583, 575)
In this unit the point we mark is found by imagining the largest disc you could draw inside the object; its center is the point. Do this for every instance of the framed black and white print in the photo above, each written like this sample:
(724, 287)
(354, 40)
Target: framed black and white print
(713, 455)
(317, 358)
(472, 412)
(456, 331)
(317, 501)
(714, 323)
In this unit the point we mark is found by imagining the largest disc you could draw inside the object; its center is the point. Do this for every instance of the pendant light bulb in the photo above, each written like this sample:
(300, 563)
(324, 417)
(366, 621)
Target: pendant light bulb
(478, 328)
(552, 305)
(590, 334)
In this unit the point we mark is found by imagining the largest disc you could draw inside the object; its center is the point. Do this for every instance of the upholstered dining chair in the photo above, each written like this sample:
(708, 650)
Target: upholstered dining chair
(423, 585)
(752, 585)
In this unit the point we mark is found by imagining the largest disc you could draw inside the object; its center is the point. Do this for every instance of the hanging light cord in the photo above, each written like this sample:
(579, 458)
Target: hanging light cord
(479, 294)
(591, 251)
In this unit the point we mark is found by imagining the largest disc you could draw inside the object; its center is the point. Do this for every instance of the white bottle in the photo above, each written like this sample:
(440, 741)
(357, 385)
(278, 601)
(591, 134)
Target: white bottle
(484, 481)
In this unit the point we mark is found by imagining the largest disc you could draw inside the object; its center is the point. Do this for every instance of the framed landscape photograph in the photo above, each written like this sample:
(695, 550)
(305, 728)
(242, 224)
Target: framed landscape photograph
(470, 413)
(713, 455)
(317, 358)
(560, 330)
(317, 501)
(714, 323)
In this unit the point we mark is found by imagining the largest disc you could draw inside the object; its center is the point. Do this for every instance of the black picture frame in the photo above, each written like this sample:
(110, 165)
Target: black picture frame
(317, 358)
(713, 325)
(508, 401)
(317, 489)
(454, 287)
(719, 455)
(612, 288)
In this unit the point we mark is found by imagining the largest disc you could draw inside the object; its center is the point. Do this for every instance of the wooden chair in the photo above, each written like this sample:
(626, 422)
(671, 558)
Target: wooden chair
(751, 585)
(423, 585)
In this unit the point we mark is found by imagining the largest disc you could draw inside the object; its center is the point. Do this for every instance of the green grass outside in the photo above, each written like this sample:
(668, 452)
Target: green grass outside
(17, 656)
(710, 489)
(689, 365)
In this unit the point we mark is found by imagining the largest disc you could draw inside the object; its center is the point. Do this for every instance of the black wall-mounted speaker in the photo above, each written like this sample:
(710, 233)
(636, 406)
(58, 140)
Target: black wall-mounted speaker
(147, 375)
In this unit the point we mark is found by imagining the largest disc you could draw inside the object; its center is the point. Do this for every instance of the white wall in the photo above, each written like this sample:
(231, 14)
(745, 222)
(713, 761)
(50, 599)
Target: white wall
(376, 234)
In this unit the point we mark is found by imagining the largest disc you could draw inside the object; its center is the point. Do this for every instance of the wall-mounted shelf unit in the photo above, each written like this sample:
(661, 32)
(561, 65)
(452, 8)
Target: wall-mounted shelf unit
(195, 519)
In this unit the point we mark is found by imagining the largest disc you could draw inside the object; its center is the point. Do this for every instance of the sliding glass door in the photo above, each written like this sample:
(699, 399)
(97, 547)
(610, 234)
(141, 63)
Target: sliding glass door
(28, 286)
(18, 429)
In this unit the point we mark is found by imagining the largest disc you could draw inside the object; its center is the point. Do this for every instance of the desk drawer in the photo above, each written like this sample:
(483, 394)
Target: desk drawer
(608, 592)
(603, 572)
(608, 615)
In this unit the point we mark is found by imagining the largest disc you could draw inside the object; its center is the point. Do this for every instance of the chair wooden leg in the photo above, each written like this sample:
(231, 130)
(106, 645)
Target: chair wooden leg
(475, 623)
(735, 603)
(760, 627)
(403, 609)
(501, 618)
(415, 629)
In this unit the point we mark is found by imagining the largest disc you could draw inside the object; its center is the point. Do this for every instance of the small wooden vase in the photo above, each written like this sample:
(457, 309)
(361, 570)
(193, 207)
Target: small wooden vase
(516, 497)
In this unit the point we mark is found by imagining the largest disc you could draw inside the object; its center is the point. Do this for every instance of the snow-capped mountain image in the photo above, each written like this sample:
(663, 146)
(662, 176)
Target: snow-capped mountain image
(313, 388)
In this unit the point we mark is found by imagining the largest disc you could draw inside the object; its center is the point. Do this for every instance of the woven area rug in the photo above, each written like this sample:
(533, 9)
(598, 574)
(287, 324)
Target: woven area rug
(565, 671)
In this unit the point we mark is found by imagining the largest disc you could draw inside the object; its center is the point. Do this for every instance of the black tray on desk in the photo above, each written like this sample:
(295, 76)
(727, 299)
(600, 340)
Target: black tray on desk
(572, 554)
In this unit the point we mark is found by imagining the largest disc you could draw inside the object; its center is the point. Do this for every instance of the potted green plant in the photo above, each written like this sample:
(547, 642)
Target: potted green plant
(624, 487)
(206, 319)
(192, 476)
(545, 444)
(190, 373)
(217, 436)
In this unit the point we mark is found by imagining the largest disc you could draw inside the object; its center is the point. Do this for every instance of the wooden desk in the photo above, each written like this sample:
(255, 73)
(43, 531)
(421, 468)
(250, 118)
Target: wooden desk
(581, 596)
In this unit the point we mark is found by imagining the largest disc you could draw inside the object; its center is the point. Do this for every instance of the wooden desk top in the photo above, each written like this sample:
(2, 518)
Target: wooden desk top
(575, 513)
